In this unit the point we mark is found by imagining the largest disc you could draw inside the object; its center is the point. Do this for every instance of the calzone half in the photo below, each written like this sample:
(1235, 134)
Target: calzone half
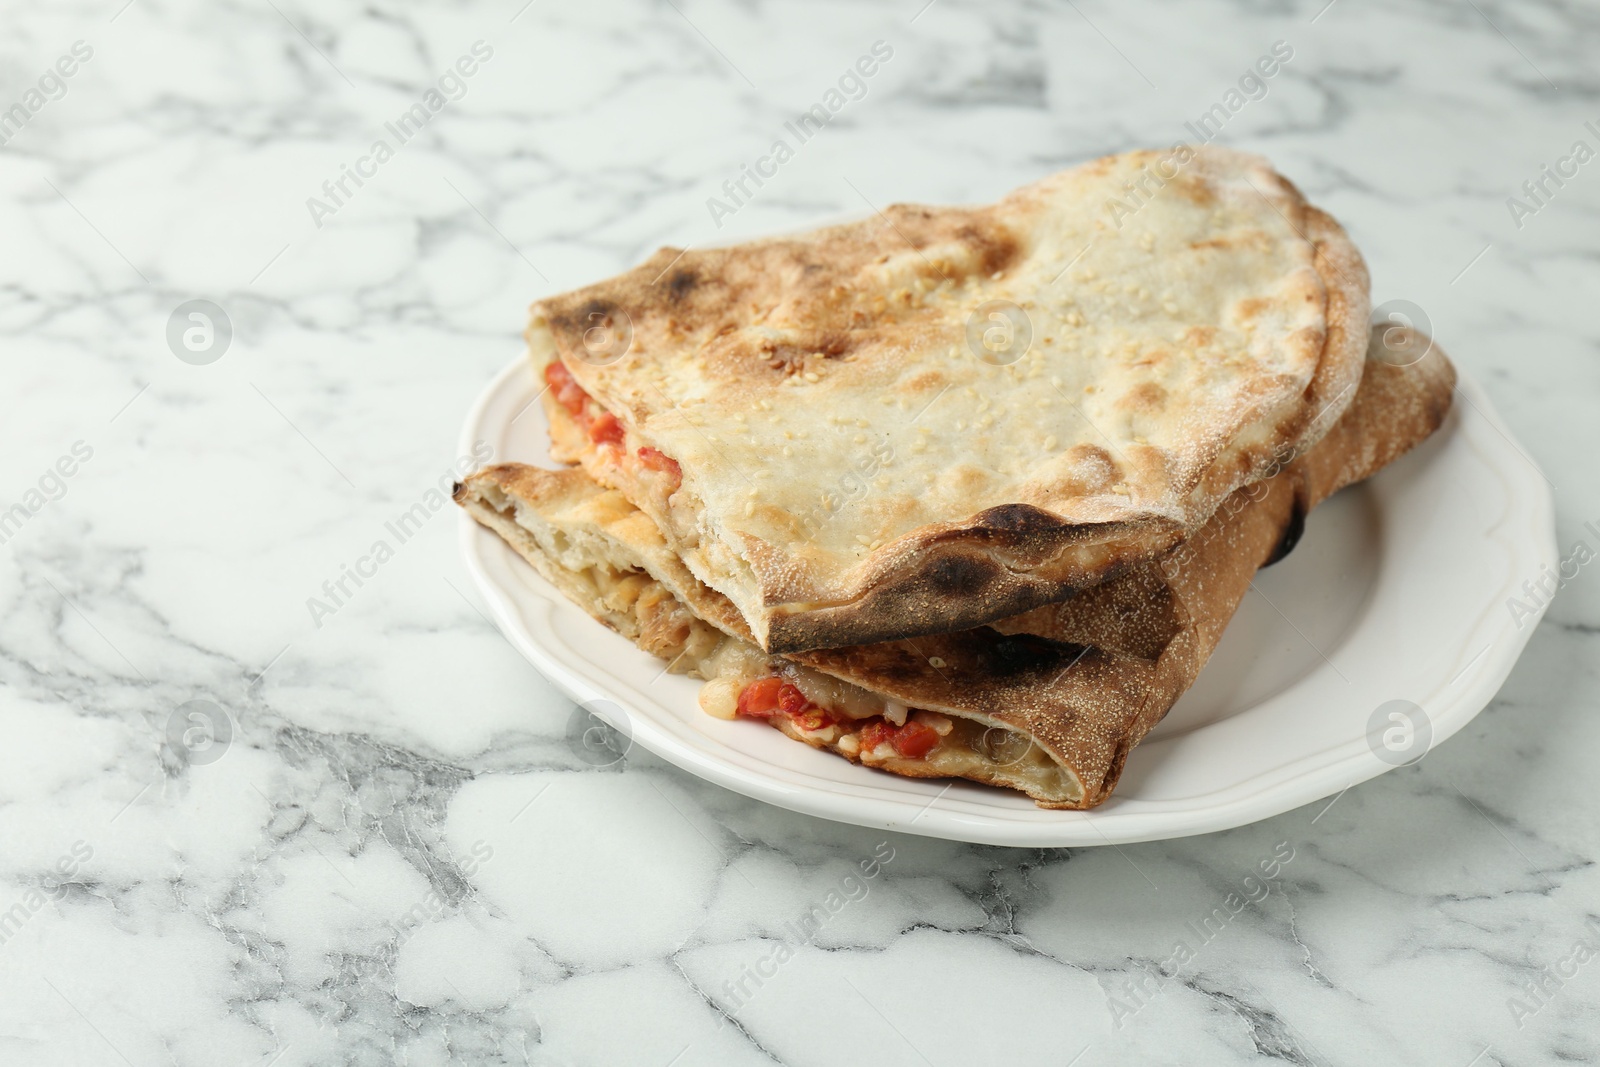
(1049, 702)
(942, 416)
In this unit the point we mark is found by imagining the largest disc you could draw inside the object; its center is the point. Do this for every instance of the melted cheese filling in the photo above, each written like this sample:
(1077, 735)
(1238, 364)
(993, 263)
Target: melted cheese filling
(967, 748)
(641, 608)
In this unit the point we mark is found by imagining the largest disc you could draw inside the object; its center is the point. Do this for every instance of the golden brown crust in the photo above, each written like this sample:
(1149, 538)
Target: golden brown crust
(1089, 677)
(789, 375)
(661, 620)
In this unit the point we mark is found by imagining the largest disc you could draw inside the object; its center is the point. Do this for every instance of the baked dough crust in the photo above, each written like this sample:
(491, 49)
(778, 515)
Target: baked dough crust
(853, 472)
(1081, 681)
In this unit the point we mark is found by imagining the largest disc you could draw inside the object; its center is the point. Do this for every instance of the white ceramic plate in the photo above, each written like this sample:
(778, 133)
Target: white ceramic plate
(1398, 591)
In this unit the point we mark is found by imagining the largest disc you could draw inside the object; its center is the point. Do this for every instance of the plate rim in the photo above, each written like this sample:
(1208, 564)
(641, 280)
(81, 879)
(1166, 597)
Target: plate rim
(903, 805)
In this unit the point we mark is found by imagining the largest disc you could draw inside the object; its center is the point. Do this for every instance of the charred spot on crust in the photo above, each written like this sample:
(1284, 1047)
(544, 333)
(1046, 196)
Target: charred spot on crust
(931, 599)
(1292, 532)
(681, 282)
(961, 576)
(1008, 655)
(996, 247)
(579, 319)
(1022, 519)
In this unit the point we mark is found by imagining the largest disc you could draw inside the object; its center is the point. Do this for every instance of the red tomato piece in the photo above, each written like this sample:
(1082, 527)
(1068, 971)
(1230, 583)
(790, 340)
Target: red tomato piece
(657, 460)
(915, 740)
(874, 734)
(814, 718)
(606, 429)
(569, 394)
(556, 374)
(792, 701)
(760, 698)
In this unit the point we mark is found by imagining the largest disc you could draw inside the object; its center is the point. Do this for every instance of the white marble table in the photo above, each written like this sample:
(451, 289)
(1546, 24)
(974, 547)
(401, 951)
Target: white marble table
(400, 857)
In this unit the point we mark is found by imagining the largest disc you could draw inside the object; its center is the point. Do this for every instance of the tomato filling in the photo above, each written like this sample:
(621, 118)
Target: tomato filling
(914, 740)
(770, 696)
(606, 429)
(569, 394)
(603, 427)
(767, 697)
(656, 460)
(760, 698)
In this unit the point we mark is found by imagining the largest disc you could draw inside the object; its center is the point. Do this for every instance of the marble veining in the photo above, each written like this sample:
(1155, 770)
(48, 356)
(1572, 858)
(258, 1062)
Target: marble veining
(237, 830)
